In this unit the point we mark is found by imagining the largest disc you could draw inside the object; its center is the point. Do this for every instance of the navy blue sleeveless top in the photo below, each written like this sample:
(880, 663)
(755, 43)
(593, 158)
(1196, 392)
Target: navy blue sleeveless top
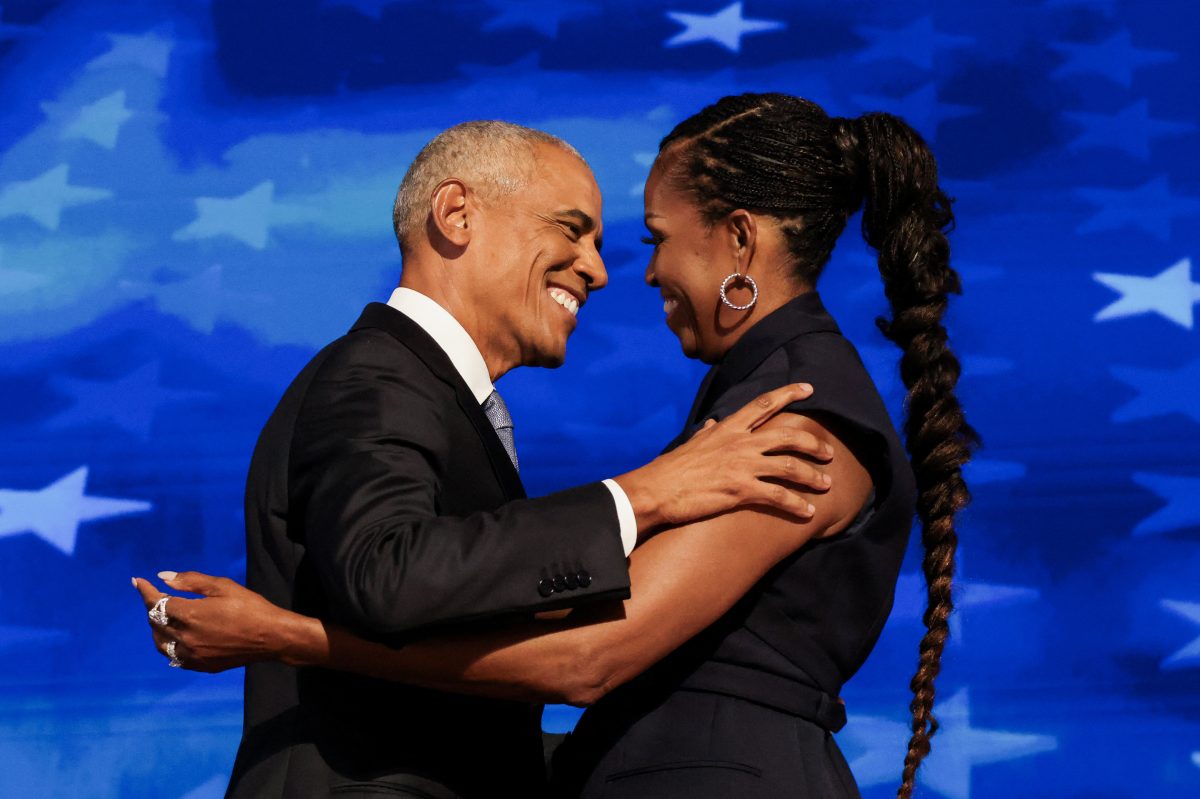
(809, 624)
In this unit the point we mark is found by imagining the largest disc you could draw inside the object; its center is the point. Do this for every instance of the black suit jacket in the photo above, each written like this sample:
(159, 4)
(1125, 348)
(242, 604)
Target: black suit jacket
(380, 497)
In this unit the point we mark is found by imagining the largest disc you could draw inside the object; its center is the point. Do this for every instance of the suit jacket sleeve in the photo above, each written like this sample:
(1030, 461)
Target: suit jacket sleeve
(367, 452)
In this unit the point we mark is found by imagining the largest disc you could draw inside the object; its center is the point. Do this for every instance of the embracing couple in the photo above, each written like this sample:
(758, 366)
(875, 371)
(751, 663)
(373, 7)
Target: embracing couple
(409, 608)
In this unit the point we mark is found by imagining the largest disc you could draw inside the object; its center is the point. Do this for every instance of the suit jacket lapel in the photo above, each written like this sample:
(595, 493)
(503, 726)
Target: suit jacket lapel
(413, 336)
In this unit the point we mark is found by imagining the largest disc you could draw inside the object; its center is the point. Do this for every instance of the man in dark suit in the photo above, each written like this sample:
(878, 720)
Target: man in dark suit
(384, 492)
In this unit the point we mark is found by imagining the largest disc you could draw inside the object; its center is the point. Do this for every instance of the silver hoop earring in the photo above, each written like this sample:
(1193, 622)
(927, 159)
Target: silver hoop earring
(739, 278)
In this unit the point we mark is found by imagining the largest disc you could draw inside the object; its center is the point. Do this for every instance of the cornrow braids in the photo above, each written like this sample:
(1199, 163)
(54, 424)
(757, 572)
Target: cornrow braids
(782, 156)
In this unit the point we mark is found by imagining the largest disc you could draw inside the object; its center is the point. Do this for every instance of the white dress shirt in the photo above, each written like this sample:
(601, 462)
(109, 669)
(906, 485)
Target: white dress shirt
(468, 361)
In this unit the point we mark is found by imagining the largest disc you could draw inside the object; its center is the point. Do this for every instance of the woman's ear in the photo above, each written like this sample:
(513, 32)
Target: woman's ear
(451, 211)
(743, 235)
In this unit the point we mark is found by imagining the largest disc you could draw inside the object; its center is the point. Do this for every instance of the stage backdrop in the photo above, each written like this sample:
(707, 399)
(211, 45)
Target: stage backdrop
(194, 197)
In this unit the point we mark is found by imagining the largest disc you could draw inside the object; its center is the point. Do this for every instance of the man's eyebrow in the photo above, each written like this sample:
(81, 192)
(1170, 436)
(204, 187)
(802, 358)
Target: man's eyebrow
(586, 223)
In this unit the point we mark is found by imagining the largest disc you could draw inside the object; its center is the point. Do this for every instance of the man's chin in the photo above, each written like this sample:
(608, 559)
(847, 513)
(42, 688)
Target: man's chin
(549, 359)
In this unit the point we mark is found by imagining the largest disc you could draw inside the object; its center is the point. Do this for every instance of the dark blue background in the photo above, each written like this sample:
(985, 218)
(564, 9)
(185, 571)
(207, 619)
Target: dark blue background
(195, 196)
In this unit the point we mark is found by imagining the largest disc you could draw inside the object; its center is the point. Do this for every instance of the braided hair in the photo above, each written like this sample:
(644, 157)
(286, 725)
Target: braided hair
(784, 157)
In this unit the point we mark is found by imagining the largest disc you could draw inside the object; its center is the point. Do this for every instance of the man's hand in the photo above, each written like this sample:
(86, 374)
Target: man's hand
(727, 465)
(230, 627)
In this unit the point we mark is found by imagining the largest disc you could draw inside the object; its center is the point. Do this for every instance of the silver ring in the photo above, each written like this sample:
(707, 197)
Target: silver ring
(174, 662)
(158, 613)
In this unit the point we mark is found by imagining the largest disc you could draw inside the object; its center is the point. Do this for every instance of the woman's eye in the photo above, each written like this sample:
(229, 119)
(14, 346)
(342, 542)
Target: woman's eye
(654, 240)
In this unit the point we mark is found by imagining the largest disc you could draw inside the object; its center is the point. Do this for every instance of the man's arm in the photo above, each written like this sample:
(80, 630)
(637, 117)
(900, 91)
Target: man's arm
(683, 580)
(371, 444)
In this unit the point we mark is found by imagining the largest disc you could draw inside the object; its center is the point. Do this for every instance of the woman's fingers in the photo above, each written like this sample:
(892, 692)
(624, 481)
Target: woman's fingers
(150, 594)
(193, 582)
(763, 407)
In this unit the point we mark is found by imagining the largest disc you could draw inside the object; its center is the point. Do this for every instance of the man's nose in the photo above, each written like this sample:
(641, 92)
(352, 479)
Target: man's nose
(591, 269)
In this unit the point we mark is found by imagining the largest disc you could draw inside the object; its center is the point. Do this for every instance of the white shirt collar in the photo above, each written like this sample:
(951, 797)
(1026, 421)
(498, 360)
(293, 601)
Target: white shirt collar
(450, 335)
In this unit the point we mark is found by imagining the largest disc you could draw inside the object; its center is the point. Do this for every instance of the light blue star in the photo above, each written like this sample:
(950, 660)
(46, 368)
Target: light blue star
(1114, 58)
(1183, 503)
(725, 27)
(545, 19)
(916, 44)
(43, 198)
(1196, 759)
(100, 121)
(149, 51)
(958, 748)
(129, 402)
(911, 598)
(1188, 655)
(1131, 130)
(1160, 392)
(246, 217)
(1150, 206)
(55, 512)
(1170, 294)
(920, 108)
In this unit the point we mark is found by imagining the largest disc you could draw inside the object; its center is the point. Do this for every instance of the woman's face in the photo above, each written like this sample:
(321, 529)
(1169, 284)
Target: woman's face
(689, 261)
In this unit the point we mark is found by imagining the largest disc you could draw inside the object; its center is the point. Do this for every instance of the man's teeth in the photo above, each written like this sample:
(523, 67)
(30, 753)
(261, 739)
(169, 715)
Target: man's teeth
(670, 305)
(565, 299)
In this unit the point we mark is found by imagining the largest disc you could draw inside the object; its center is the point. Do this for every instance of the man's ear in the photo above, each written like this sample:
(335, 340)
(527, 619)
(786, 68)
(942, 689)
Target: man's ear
(451, 212)
(743, 235)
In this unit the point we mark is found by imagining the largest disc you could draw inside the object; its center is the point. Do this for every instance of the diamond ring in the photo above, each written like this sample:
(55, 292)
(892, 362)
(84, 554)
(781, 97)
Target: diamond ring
(158, 614)
(170, 650)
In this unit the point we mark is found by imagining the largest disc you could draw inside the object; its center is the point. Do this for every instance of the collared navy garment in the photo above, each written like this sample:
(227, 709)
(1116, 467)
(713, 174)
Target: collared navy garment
(748, 707)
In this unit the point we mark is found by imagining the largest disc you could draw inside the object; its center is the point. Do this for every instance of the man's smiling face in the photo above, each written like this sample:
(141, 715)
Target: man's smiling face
(542, 257)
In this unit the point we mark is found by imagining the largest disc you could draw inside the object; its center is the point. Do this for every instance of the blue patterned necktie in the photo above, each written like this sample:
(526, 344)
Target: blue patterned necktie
(497, 413)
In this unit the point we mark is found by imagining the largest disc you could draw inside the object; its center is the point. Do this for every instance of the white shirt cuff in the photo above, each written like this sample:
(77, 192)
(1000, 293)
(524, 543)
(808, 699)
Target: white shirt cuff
(625, 517)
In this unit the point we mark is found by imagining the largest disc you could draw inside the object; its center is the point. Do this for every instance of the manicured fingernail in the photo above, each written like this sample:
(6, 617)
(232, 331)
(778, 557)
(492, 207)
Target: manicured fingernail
(828, 450)
(811, 509)
(134, 581)
(826, 479)
(168, 576)
(805, 387)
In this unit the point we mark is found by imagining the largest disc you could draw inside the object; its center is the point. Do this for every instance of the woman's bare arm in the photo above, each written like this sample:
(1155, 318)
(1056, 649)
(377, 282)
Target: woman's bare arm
(683, 580)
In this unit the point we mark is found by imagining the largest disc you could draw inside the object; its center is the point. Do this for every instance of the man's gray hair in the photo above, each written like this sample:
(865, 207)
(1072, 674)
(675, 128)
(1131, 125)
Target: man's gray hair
(491, 157)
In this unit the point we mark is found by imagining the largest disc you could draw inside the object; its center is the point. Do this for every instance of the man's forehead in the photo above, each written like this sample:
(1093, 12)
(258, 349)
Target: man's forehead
(566, 183)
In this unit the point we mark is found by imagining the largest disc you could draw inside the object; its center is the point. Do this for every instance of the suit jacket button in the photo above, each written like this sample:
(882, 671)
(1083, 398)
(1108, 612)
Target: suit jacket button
(560, 582)
(545, 587)
(584, 578)
(571, 581)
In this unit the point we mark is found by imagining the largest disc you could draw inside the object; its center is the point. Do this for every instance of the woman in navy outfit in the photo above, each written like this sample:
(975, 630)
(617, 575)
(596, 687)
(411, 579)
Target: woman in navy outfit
(720, 676)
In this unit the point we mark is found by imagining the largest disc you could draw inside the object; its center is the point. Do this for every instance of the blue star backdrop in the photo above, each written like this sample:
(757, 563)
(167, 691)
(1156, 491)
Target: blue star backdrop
(194, 197)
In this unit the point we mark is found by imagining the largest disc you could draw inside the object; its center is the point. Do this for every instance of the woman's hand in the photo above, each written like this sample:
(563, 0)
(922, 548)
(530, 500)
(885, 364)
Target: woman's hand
(727, 466)
(229, 627)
